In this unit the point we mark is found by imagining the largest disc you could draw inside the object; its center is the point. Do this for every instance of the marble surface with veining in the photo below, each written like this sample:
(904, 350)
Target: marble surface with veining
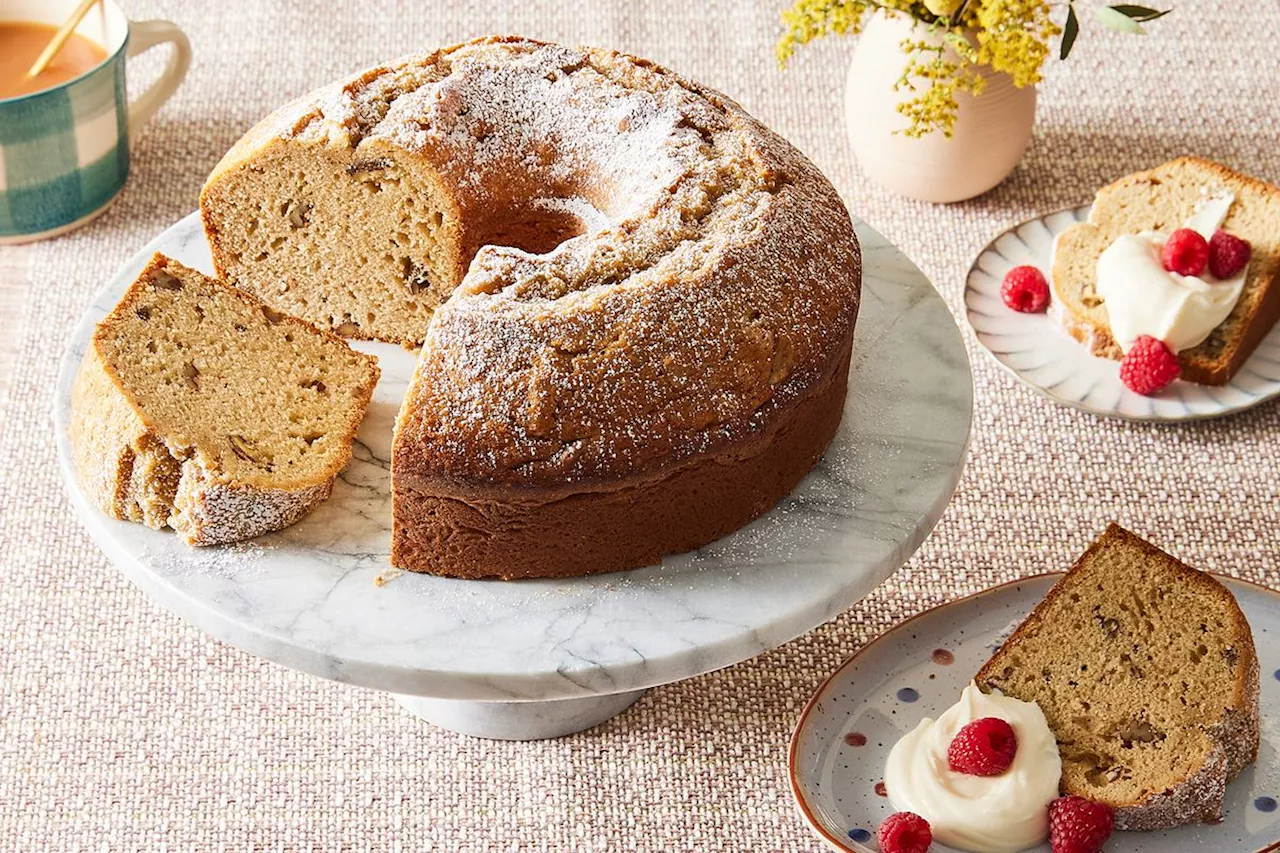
(321, 597)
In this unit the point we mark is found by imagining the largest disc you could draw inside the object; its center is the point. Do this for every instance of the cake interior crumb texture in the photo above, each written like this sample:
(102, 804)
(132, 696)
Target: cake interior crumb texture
(1146, 672)
(190, 380)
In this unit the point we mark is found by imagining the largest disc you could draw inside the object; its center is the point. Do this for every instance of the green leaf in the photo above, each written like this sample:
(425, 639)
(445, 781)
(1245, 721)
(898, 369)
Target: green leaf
(1140, 13)
(1069, 32)
(1118, 21)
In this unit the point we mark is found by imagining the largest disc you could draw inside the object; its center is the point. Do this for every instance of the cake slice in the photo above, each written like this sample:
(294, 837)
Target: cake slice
(1146, 672)
(198, 408)
(1162, 199)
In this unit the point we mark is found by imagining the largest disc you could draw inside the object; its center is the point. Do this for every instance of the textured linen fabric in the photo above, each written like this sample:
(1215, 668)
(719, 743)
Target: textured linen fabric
(122, 728)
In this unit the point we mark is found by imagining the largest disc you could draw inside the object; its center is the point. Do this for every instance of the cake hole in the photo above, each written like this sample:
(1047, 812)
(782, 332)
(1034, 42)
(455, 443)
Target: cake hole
(298, 213)
(1138, 731)
(535, 231)
(416, 278)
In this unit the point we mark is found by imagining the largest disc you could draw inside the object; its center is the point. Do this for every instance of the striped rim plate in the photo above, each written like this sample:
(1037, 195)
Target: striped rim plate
(1035, 348)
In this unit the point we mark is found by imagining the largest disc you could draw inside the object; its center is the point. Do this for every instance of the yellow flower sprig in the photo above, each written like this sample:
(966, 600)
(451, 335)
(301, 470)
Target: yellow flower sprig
(1009, 36)
(936, 80)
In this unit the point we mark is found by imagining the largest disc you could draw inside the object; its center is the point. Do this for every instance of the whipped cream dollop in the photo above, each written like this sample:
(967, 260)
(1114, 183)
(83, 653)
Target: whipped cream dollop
(1143, 298)
(983, 814)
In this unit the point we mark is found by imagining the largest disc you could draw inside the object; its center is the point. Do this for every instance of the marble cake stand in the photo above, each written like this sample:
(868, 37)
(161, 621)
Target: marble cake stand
(537, 659)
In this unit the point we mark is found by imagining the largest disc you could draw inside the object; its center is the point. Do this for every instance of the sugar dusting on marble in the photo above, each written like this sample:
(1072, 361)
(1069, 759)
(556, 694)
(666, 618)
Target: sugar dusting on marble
(237, 561)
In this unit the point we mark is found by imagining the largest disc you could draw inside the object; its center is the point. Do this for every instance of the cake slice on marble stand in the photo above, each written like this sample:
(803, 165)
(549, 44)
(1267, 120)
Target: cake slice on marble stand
(545, 658)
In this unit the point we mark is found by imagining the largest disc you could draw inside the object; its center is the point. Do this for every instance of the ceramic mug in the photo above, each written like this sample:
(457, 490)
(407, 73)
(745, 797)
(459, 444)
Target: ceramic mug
(64, 151)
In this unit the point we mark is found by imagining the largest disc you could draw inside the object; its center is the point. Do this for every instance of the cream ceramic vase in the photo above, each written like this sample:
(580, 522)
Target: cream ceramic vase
(991, 130)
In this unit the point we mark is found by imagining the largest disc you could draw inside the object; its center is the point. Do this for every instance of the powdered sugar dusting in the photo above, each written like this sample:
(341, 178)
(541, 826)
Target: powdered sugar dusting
(717, 281)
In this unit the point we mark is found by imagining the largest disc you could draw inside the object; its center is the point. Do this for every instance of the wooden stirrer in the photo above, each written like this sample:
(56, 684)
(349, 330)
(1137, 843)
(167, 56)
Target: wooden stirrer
(60, 38)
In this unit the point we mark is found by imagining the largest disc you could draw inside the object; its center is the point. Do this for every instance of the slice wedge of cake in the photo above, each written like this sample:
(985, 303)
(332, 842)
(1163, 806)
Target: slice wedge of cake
(1162, 200)
(1146, 672)
(199, 408)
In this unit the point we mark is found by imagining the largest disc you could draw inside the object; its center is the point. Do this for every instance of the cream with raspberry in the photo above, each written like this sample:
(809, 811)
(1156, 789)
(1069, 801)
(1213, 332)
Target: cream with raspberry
(1141, 297)
(982, 814)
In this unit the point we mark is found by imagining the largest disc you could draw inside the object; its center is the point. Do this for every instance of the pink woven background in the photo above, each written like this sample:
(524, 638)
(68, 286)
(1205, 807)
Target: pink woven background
(122, 728)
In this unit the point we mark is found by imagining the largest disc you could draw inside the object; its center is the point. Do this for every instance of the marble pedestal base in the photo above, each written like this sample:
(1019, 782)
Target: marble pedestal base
(519, 720)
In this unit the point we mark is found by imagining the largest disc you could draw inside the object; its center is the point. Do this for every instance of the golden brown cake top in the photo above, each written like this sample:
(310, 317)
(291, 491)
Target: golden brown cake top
(714, 282)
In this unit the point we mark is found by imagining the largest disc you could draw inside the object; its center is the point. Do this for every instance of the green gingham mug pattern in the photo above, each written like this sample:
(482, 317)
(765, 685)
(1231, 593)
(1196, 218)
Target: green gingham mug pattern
(64, 151)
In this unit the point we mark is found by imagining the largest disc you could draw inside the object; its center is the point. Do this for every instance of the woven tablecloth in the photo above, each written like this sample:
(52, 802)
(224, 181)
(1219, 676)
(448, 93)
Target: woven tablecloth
(123, 728)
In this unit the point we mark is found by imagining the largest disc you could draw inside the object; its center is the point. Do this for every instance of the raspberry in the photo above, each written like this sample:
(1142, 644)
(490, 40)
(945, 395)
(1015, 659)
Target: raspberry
(1077, 825)
(1149, 366)
(985, 747)
(1228, 254)
(1024, 289)
(904, 832)
(1185, 252)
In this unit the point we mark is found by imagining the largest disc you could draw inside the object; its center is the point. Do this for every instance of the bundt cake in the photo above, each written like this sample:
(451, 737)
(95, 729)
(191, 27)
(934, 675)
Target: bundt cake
(198, 408)
(635, 302)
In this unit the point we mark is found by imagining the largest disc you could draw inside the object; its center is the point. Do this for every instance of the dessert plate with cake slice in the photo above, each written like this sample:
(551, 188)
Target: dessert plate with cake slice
(1136, 690)
(1158, 302)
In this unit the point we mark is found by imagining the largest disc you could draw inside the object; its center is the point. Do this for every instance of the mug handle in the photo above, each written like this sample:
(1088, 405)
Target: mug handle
(144, 35)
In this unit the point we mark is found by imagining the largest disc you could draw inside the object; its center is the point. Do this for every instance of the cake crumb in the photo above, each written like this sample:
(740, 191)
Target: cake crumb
(384, 578)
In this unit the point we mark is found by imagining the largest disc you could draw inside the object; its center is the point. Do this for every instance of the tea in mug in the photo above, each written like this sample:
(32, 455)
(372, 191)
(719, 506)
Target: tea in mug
(21, 43)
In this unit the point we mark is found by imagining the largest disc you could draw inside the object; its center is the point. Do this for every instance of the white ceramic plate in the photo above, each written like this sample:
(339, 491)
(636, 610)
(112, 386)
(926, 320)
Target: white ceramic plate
(918, 669)
(1034, 347)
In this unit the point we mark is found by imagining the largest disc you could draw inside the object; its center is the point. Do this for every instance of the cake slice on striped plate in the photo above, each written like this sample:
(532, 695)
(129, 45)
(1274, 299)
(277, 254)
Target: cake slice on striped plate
(1213, 345)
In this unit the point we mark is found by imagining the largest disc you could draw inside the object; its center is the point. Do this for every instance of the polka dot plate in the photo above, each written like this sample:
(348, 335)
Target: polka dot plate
(839, 749)
(1036, 349)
